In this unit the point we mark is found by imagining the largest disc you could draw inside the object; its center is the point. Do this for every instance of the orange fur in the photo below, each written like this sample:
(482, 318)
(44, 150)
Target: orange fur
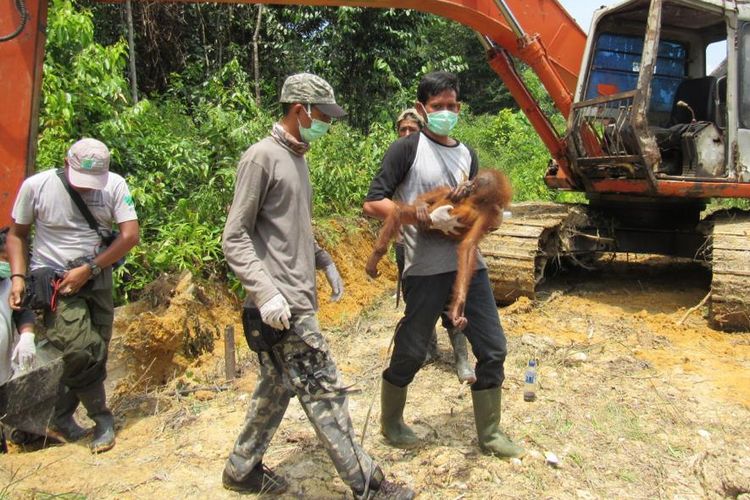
(477, 204)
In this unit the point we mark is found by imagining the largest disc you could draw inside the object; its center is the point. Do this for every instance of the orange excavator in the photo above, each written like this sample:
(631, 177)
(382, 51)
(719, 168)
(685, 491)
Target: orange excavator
(652, 135)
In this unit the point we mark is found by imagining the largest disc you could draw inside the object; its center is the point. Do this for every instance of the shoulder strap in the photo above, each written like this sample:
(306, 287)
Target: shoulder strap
(82, 207)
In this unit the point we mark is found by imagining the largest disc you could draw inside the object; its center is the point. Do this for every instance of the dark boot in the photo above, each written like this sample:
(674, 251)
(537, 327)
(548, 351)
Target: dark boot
(464, 370)
(392, 426)
(94, 400)
(388, 490)
(487, 418)
(64, 427)
(381, 488)
(432, 348)
(261, 479)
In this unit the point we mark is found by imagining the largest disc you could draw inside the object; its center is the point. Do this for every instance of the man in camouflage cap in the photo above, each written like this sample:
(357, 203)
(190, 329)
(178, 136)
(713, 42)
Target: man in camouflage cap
(268, 242)
(309, 88)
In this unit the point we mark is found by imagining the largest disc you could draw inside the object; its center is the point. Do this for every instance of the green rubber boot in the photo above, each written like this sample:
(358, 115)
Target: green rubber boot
(64, 426)
(94, 400)
(432, 349)
(487, 418)
(461, 357)
(392, 426)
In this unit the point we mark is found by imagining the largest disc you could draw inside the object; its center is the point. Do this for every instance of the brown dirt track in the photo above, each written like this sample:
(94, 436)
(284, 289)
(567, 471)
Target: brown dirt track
(633, 404)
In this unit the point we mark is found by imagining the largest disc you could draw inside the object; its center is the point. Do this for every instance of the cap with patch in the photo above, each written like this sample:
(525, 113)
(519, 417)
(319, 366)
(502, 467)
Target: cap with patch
(307, 88)
(88, 164)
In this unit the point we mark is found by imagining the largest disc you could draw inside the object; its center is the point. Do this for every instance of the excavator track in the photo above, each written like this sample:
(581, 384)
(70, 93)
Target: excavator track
(729, 306)
(518, 253)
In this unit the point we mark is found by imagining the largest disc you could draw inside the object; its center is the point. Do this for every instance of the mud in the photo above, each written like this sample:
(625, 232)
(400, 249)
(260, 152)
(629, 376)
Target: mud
(633, 403)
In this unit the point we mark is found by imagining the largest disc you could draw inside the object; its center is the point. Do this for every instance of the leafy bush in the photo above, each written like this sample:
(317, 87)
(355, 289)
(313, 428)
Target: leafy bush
(342, 164)
(83, 82)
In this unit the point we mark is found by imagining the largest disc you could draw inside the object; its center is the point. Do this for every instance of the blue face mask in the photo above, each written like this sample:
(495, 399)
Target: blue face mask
(316, 130)
(442, 122)
(4, 270)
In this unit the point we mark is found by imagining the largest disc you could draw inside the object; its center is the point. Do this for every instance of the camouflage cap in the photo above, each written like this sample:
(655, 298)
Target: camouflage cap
(307, 88)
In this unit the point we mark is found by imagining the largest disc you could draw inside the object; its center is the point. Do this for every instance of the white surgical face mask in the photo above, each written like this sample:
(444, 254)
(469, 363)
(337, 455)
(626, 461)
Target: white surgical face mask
(442, 122)
(315, 131)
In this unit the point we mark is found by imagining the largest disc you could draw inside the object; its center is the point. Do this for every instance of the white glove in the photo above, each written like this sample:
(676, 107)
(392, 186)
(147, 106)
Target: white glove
(334, 279)
(444, 221)
(25, 352)
(276, 312)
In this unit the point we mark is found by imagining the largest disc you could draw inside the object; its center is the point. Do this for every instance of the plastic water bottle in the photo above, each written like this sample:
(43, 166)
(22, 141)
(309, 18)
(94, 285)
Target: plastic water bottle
(529, 383)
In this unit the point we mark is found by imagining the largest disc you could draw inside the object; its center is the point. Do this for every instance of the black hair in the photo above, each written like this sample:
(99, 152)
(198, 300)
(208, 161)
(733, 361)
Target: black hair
(3, 237)
(286, 106)
(435, 83)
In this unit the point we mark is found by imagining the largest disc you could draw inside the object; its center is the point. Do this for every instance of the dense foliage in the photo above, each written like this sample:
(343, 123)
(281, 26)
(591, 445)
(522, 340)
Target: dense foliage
(178, 148)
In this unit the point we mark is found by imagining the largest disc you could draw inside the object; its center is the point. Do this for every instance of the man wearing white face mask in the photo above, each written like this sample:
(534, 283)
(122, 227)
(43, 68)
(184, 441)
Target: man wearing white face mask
(413, 166)
(268, 242)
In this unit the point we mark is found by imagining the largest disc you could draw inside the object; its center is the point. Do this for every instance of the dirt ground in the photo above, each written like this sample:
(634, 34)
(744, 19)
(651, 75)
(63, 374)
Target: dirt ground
(632, 404)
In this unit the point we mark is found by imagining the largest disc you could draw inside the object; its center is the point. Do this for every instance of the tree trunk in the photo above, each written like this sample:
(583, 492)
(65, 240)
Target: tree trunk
(256, 69)
(131, 51)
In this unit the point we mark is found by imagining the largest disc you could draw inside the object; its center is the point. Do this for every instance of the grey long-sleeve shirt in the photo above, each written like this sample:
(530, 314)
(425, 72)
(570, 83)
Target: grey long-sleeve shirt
(268, 237)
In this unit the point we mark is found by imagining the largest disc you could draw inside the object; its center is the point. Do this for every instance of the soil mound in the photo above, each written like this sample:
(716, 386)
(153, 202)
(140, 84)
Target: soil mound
(174, 335)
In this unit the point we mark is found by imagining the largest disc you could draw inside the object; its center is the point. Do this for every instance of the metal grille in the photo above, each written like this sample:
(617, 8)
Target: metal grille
(602, 129)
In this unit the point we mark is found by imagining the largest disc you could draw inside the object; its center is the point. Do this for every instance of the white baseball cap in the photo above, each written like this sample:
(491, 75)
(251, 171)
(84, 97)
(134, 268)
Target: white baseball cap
(88, 162)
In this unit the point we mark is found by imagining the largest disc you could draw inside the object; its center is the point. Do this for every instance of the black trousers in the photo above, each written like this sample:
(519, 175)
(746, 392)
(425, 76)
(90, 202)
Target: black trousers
(426, 297)
(398, 249)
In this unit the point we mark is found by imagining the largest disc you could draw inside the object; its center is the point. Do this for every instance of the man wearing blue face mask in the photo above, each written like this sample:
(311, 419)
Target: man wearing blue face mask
(268, 242)
(412, 166)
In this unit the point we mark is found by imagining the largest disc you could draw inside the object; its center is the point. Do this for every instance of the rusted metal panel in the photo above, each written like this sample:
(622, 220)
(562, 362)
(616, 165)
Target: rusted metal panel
(20, 82)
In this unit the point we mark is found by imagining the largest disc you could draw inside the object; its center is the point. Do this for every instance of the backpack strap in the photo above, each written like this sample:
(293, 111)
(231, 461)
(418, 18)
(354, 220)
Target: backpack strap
(82, 207)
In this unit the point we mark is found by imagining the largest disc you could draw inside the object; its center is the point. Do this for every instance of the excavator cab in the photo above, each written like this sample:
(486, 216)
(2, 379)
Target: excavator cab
(647, 109)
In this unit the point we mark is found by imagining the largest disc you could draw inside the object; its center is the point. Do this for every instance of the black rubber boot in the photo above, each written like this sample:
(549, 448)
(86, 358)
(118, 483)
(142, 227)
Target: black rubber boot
(464, 370)
(261, 479)
(392, 426)
(487, 418)
(64, 426)
(94, 399)
(432, 349)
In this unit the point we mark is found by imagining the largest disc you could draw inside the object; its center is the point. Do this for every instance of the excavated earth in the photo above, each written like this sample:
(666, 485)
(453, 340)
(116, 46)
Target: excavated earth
(638, 396)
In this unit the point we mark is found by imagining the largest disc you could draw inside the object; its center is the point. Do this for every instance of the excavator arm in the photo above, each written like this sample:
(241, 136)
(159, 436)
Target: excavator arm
(538, 32)
(22, 38)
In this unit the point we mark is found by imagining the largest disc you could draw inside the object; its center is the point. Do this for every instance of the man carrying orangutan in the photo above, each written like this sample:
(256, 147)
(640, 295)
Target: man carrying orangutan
(412, 166)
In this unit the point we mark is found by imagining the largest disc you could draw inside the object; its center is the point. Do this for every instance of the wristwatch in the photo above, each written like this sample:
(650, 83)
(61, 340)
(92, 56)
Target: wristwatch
(95, 270)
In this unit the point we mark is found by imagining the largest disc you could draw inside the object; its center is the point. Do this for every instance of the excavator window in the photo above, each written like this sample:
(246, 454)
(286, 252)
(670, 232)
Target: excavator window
(721, 103)
(744, 79)
(616, 64)
(700, 95)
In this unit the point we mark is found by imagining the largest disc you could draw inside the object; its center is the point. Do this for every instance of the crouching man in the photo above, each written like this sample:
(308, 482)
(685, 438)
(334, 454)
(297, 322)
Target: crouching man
(73, 211)
(268, 242)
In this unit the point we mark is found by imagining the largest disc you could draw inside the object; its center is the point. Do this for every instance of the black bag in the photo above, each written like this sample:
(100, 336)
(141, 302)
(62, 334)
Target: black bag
(108, 239)
(260, 336)
(41, 289)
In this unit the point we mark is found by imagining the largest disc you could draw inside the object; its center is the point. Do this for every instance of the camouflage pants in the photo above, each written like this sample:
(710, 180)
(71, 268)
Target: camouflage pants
(309, 372)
